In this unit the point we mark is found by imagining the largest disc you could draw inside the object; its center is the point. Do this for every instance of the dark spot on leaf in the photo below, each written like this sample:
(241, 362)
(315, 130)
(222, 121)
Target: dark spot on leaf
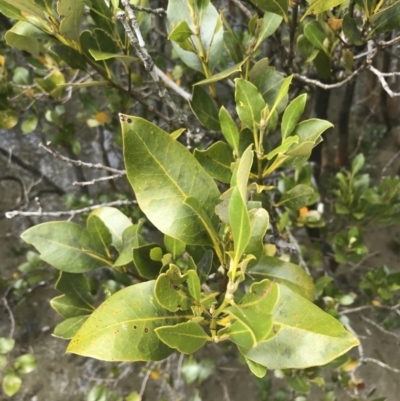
(178, 306)
(176, 287)
(146, 330)
(134, 327)
(129, 120)
(121, 117)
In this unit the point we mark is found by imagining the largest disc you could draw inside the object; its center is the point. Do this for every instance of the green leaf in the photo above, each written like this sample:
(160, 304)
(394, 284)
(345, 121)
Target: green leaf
(8, 119)
(287, 143)
(122, 328)
(204, 108)
(11, 383)
(70, 56)
(76, 300)
(292, 115)
(130, 239)
(259, 221)
(19, 37)
(181, 32)
(223, 74)
(386, 20)
(102, 16)
(98, 393)
(100, 55)
(279, 7)
(253, 315)
(186, 337)
(164, 175)
(115, 221)
(282, 93)
(233, 47)
(357, 164)
(6, 345)
(99, 41)
(175, 291)
(297, 197)
(249, 103)
(70, 12)
(306, 48)
(10, 11)
(66, 246)
(308, 336)
(318, 6)
(25, 363)
(174, 246)
(316, 35)
(205, 20)
(205, 264)
(216, 161)
(69, 327)
(29, 124)
(229, 129)
(26, 6)
(52, 84)
(285, 273)
(255, 368)
(271, 23)
(311, 130)
(3, 362)
(299, 384)
(351, 31)
(146, 266)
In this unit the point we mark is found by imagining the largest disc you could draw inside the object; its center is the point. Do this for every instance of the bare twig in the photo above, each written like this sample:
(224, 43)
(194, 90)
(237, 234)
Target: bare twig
(383, 82)
(156, 11)
(49, 149)
(365, 307)
(146, 378)
(71, 213)
(380, 328)
(176, 88)
(381, 364)
(389, 163)
(138, 43)
(10, 314)
(95, 180)
(315, 82)
(242, 8)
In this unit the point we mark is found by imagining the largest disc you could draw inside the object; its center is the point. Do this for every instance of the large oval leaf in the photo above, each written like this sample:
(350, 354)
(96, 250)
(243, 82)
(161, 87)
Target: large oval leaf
(307, 337)
(67, 246)
(171, 187)
(122, 328)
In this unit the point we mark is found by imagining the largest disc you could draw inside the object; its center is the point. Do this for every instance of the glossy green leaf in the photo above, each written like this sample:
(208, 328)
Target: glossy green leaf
(204, 265)
(292, 115)
(299, 384)
(285, 273)
(186, 337)
(306, 48)
(176, 291)
(233, 47)
(29, 7)
(3, 362)
(66, 246)
(211, 32)
(164, 175)
(279, 7)
(249, 103)
(25, 363)
(131, 238)
(255, 368)
(318, 6)
(122, 328)
(71, 13)
(181, 32)
(351, 31)
(146, 266)
(223, 74)
(316, 35)
(282, 93)
(10, 11)
(311, 130)
(253, 315)
(174, 246)
(97, 40)
(308, 336)
(204, 108)
(6, 345)
(259, 221)
(271, 22)
(51, 84)
(77, 299)
(98, 393)
(21, 40)
(100, 55)
(29, 124)
(69, 327)
(102, 16)
(297, 197)
(115, 221)
(386, 20)
(229, 129)
(11, 383)
(100, 233)
(287, 143)
(8, 119)
(216, 161)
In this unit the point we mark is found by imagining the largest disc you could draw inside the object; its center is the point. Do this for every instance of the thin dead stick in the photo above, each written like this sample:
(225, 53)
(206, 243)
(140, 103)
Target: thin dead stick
(366, 307)
(137, 41)
(380, 328)
(176, 88)
(156, 11)
(383, 82)
(10, 314)
(95, 180)
(381, 364)
(49, 149)
(244, 10)
(71, 213)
